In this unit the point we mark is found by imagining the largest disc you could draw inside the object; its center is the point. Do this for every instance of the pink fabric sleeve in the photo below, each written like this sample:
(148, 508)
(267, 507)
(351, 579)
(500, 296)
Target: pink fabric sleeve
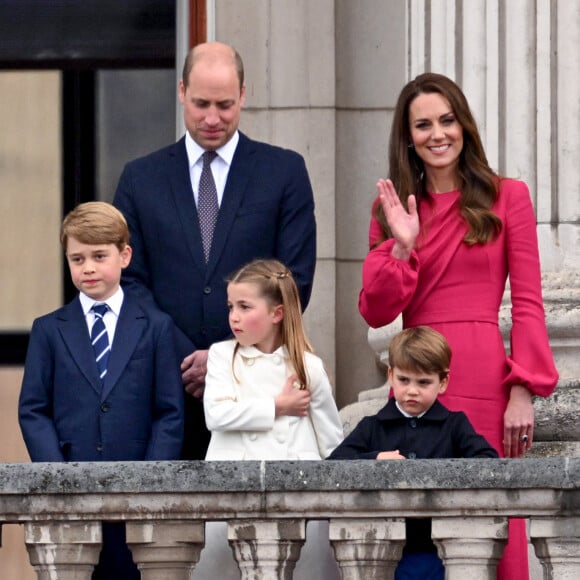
(531, 363)
(388, 284)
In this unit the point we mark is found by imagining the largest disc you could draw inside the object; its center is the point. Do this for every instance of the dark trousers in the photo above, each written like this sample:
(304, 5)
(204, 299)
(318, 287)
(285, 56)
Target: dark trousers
(196, 435)
(420, 566)
(115, 559)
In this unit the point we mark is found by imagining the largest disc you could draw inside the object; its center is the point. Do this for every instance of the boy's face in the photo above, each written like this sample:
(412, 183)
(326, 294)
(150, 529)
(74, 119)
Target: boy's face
(95, 269)
(416, 391)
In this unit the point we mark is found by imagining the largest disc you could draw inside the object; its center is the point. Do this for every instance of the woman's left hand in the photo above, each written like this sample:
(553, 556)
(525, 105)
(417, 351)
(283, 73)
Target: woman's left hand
(518, 431)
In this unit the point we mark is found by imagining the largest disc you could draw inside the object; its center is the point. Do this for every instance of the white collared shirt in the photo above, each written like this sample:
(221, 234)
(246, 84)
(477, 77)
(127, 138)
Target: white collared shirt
(405, 414)
(111, 316)
(220, 166)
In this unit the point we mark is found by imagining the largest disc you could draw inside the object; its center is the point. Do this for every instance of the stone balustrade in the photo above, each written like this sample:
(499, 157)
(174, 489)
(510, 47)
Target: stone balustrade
(267, 505)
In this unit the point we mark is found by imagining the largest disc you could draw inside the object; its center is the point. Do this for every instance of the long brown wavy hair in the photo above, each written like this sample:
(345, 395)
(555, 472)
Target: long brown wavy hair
(278, 287)
(477, 181)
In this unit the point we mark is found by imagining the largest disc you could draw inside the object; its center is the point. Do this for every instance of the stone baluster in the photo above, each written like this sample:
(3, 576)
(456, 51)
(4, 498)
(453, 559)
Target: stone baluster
(267, 548)
(367, 548)
(165, 550)
(63, 550)
(556, 542)
(470, 547)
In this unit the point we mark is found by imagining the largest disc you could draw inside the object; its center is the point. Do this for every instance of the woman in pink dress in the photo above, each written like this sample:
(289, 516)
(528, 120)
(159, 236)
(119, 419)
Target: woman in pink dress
(445, 234)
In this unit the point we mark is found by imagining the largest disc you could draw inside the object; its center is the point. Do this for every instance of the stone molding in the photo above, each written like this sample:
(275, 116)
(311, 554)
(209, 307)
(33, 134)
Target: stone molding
(267, 504)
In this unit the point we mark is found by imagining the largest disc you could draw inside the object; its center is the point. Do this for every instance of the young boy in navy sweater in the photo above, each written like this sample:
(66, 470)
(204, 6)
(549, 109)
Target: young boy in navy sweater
(102, 379)
(414, 425)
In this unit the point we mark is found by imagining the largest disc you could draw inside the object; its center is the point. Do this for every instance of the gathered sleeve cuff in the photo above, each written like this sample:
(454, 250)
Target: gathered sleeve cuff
(539, 378)
(388, 284)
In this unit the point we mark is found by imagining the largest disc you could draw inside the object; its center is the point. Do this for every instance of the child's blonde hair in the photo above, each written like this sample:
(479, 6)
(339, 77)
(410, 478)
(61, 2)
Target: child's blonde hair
(420, 349)
(96, 223)
(277, 286)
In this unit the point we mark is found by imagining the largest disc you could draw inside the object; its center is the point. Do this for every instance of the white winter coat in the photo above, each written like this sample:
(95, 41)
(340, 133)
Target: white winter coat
(241, 415)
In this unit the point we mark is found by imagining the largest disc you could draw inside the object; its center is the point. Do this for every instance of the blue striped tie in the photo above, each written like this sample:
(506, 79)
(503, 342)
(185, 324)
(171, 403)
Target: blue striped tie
(100, 339)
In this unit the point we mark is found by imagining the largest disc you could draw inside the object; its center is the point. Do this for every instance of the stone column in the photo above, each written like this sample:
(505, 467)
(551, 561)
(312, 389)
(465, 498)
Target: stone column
(470, 547)
(367, 548)
(289, 53)
(267, 548)
(165, 550)
(63, 550)
(556, 542)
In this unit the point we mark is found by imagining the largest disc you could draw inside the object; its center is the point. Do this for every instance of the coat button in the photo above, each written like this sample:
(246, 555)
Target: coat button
(250, 362)
(207, 290)
(277, 359)
(412, 455)
(253, 437)
(99, 447)
(413, 423)
(105, 407)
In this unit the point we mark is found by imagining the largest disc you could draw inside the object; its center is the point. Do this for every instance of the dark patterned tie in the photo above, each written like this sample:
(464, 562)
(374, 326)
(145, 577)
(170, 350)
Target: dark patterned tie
(207, 204)
(100, 339)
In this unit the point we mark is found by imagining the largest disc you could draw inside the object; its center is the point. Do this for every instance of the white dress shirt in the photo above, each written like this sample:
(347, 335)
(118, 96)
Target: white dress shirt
(220, 166)
(111, 316)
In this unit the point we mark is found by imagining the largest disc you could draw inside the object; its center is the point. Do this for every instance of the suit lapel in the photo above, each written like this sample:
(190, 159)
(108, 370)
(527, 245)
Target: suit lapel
(238, 177)
(179, 177)
(130, 327)
(75, 334)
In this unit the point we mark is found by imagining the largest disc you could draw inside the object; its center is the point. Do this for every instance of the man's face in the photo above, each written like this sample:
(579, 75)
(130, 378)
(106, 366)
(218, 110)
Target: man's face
(212, 102)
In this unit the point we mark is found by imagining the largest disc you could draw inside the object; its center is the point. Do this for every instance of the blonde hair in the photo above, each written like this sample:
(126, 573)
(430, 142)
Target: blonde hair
(420, 349)
(277, 286)
(95, 222)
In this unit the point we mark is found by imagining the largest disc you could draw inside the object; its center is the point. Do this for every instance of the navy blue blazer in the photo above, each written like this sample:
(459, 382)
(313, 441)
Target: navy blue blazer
(267, 211)
(439, 433)
(66, 414)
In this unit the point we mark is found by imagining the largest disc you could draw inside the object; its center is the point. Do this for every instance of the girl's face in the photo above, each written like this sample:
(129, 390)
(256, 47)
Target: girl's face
(435, 132)
(416, 391)
(253, 320)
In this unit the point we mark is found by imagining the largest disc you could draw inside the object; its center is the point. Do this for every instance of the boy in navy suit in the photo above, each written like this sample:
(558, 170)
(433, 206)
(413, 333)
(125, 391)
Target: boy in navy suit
(414, 425)
(102, 384)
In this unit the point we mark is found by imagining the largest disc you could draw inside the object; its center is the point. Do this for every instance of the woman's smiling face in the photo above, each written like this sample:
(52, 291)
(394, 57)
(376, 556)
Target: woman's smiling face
(436, 134)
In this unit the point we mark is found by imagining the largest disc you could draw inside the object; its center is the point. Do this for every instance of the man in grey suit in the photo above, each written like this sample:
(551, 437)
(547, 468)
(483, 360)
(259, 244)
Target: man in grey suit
(266, 210)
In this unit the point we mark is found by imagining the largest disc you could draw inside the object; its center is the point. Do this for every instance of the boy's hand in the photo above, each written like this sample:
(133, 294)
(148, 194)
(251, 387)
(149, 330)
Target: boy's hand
(390, 455)
(292, 401)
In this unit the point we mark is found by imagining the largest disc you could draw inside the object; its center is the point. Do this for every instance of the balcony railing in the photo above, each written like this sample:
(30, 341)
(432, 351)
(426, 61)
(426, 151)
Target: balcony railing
(165, 505)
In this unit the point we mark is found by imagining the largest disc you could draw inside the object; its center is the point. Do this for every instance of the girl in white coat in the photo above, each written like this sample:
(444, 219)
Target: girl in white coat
(267, 396)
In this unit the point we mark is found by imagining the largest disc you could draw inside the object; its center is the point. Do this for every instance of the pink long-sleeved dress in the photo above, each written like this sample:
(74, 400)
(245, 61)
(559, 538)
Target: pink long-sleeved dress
(457, 289)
